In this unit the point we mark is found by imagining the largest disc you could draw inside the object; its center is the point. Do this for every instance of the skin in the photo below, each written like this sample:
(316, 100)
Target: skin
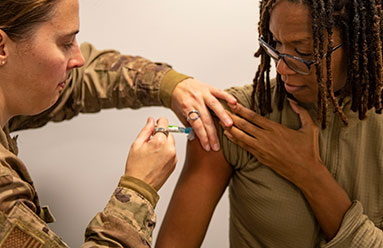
(35, 73)
(192, 94)
(189, 212)
(36, 69)
(293, 154)
(290, 25)
(54, 48)
(152, 158)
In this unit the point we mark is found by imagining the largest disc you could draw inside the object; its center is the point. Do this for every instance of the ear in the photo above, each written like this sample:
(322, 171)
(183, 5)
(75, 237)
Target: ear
(4, 40)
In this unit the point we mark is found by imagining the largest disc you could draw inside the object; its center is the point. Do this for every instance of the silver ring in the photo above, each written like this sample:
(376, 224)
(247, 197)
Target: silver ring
(194, 118)
(161, 130)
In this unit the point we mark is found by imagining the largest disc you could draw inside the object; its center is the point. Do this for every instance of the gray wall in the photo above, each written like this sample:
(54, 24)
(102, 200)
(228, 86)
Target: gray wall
(76, 164)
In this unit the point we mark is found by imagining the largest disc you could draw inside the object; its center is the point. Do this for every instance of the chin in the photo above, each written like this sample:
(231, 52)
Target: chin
(306, 98)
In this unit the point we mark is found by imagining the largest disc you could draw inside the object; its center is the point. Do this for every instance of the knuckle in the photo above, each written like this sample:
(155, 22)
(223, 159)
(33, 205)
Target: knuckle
(212, 102)
(159, 142)
(197, 125)
(197, 95)
(241, 125)
(209, 123)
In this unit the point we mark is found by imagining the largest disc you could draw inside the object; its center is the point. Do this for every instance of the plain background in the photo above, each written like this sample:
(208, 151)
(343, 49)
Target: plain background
(77, 164)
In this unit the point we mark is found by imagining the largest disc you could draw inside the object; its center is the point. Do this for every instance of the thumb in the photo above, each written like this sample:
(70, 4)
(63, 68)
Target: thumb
(145, 132)
(303, 113)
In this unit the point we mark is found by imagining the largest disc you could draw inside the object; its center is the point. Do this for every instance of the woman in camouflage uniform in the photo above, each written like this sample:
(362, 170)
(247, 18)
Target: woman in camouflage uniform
(44, 73)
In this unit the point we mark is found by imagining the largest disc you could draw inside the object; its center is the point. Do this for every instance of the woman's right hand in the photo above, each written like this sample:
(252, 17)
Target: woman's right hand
(152, 158)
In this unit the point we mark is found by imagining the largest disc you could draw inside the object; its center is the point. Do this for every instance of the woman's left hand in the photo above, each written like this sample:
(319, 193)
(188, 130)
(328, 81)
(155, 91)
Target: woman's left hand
(192, 94)
(293, 154)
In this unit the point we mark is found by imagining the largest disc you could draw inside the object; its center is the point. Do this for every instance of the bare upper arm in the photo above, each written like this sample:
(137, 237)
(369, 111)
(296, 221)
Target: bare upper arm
(201, 184)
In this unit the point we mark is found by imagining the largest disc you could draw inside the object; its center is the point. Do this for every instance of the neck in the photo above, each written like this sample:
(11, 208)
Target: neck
(5, 114)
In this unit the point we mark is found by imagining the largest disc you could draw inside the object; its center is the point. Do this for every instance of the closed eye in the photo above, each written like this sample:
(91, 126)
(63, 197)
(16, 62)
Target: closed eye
(303, 54)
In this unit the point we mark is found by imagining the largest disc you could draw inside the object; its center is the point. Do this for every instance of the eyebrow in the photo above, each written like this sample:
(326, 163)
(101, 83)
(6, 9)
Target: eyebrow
(301, 41)
(298, 41)
(70, 34)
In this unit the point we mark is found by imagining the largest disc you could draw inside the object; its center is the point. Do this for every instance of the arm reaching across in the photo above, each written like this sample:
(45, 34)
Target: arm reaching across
(109, 79)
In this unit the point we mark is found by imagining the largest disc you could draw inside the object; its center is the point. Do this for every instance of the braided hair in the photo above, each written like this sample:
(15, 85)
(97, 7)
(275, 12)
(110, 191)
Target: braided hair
(361, 26)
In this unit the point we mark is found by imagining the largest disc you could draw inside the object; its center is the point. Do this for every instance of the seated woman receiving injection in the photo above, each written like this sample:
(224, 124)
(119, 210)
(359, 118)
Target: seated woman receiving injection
(305, 169)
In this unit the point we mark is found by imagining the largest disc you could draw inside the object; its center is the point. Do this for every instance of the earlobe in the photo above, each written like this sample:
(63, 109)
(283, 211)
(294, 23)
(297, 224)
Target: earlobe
(3, 47)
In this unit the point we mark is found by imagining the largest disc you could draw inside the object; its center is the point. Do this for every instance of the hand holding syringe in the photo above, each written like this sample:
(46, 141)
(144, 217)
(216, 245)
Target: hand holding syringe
(188, 130)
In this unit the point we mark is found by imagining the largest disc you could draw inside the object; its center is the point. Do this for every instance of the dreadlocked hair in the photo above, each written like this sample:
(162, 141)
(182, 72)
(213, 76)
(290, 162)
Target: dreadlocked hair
(361, 26)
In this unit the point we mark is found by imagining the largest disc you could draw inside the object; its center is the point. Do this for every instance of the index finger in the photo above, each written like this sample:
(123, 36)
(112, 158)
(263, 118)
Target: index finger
(161, 123)
(219, 111)
(146, 132)
(251, 116)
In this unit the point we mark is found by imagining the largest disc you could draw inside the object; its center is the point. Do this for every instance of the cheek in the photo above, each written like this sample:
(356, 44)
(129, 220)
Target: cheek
(50, 61)
(52, 71)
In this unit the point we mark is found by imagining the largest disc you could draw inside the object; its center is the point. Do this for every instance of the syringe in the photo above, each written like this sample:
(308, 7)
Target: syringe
(188, 130)
(177, 129)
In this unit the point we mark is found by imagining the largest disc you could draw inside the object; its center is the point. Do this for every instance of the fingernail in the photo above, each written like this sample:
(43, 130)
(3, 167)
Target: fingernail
(207, 148)
(232, 106)
(228, 122)
(216, 147)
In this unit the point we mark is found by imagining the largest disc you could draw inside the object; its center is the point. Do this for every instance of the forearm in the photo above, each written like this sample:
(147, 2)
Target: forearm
(108, 79)
(327, 199)
(341, 220)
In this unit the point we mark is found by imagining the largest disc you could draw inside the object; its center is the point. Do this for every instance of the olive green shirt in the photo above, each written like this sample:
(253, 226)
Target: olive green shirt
(107, 80)
(266, 210)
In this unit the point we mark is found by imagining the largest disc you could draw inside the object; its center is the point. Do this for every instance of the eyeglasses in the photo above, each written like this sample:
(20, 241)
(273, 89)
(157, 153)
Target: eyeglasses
(295, 63)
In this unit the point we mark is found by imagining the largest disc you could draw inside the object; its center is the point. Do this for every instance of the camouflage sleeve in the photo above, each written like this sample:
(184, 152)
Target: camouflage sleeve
(128, 219)
(108, 79)
(23, 223)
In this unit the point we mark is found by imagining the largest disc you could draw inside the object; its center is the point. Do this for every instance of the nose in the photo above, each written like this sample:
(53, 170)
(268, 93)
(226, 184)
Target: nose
(76, 60)
(283, 69)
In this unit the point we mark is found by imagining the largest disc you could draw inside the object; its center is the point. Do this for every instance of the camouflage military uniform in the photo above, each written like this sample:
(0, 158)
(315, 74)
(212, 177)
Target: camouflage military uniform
(107, 80)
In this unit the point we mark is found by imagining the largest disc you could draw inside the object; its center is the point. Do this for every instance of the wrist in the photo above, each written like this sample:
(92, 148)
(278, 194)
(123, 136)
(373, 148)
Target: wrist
(316, 181)
(140, 187)
(167, 85)
(328, 201)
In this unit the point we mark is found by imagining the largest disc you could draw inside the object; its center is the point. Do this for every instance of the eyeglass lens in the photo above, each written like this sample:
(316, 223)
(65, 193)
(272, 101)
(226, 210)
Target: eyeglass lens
(292, 63)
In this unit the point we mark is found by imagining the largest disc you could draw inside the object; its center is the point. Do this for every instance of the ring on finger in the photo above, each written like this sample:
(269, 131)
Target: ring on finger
(161, 130)
(190, 113)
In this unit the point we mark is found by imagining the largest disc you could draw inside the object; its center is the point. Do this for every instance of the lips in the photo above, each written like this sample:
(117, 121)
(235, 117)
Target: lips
(292, 89)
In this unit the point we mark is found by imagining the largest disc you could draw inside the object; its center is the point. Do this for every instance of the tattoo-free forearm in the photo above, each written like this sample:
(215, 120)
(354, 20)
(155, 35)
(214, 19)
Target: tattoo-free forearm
(328, 201)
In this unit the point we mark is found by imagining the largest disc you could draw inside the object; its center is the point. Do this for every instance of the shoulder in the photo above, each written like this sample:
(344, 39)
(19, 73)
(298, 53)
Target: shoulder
(244, 95)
